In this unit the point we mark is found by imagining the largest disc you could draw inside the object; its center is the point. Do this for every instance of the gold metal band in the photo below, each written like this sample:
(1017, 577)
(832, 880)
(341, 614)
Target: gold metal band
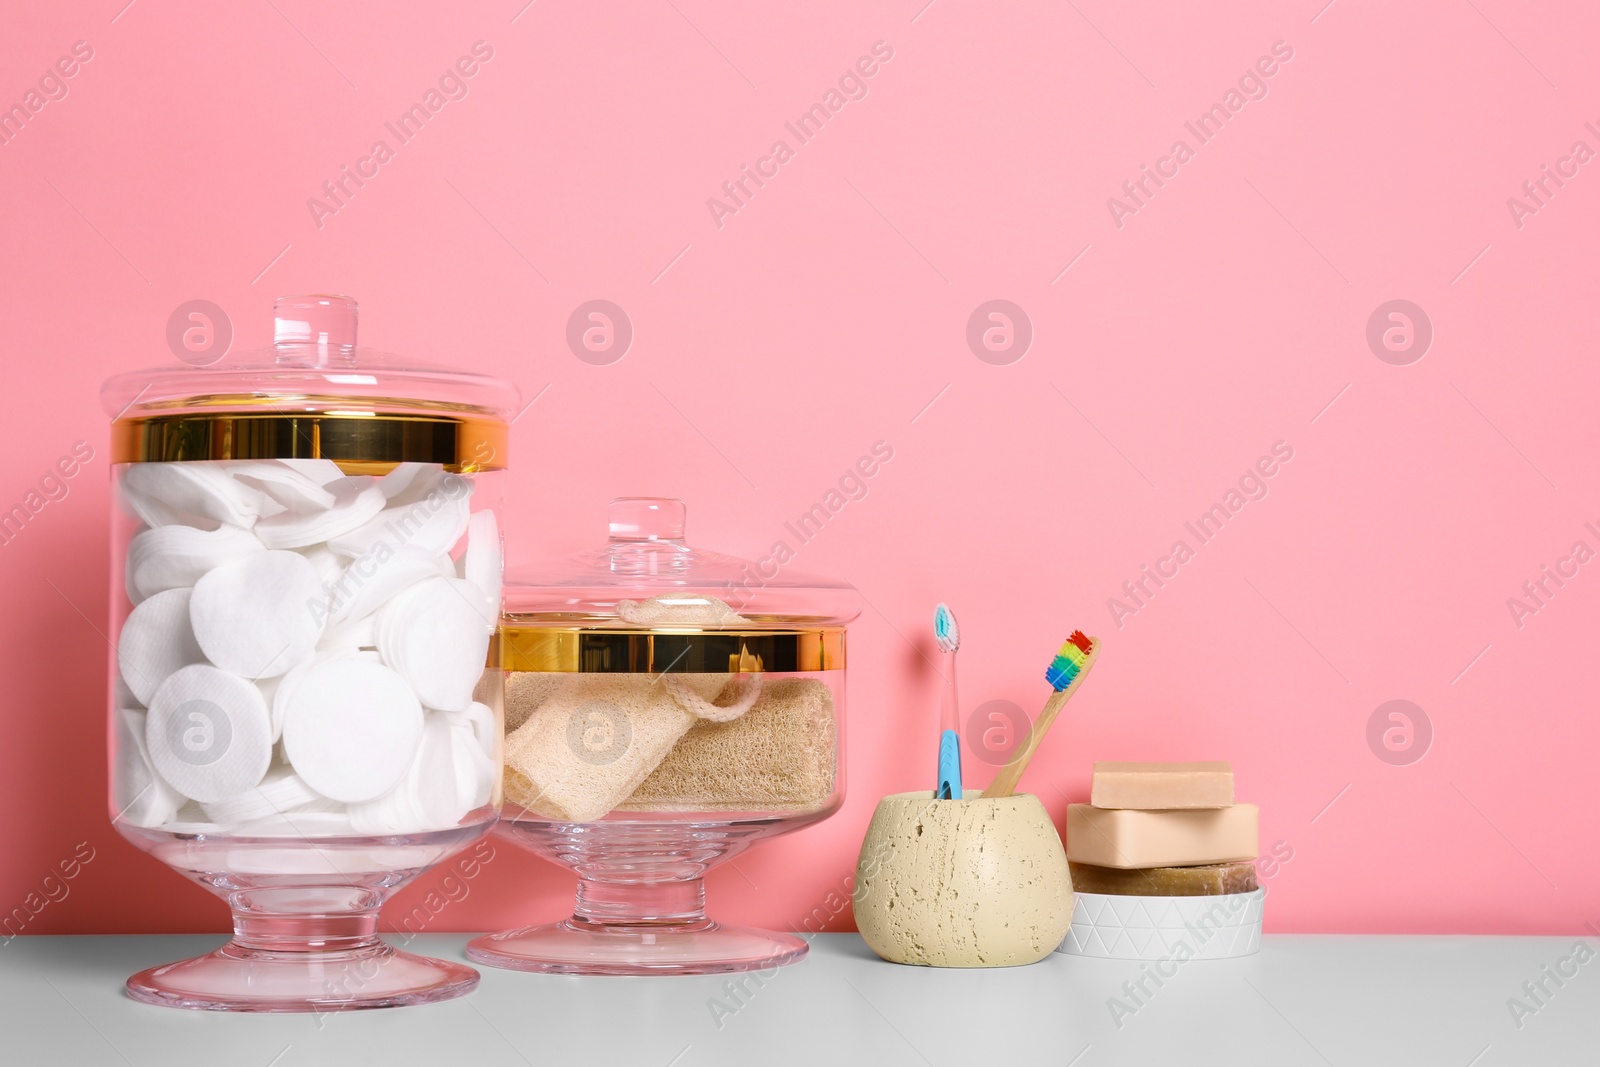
(595, 651)
(360, 442)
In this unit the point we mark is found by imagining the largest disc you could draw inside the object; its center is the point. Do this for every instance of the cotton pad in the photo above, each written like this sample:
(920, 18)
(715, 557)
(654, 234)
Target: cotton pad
(156, 640)
(355, 501)
(268, 687)
(433, 634)
(281, 483)
(122, 696)
(350, 727)
(371, 580)
(400, 481)
(259, 616)
(352, 635)
(483, 563)
(193, 494)
(408, 487)
(208, 733)
(480, 720)
(476, 771)
(329, 564)
(321, 471)
(299, 824)
(283, 690)
(436, 792)
(433, 524)
(139, 794)
(280, 791)
(175, 557)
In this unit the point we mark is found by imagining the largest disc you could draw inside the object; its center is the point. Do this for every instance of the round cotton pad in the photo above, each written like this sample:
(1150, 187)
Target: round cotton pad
(475, 771)
(350, 636)
(156, 640)
(431, 796)
(321, 471)
(141, 797)
(259, 616)
(355, 500)
(434, 635)
(193, 494)
(289, 488)
(208, 733)
(400, 481)
(301, 824)
(484, 728)
(483, 564)
(280, 791)
(432, 524)
(329, 564)
(371, 580)
(174, 557)
(350, 728)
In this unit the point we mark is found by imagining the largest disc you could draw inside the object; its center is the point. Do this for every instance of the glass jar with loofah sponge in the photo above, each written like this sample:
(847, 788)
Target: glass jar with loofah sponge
(665, 708)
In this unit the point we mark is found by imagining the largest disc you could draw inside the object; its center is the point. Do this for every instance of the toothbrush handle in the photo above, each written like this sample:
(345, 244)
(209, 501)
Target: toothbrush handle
(949, 767)
(949, 705)
(1006, 778)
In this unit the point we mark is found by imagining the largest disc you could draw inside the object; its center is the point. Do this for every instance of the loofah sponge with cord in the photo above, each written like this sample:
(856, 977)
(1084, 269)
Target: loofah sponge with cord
(591, 739)
(525, 691)
(679, 609)
(780, 755)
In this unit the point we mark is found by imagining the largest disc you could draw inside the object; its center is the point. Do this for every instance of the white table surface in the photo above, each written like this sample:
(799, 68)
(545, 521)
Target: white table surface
(1303, 1000)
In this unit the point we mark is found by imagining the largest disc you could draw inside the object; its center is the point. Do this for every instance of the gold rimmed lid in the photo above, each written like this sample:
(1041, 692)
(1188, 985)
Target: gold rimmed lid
(360, 442)
(648, 603)
(616, 651)
(312, 395)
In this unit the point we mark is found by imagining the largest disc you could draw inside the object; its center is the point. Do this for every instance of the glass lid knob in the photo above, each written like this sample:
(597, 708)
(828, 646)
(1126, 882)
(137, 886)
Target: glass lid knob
(320, 327)
(646, 518)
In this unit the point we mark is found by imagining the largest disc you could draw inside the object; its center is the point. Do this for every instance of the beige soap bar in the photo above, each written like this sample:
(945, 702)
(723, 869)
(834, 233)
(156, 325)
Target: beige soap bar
(1162, 786)
(1113, 837)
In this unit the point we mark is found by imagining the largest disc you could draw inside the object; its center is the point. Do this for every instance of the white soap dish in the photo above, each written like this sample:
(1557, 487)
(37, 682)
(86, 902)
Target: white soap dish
(1154, 928)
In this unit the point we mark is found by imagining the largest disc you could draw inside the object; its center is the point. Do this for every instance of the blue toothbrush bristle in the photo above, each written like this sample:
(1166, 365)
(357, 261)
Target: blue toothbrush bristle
(1061, 673)
(945, 633)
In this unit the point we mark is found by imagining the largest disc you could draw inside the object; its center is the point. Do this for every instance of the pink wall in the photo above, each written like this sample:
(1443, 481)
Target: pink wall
(1172, 346)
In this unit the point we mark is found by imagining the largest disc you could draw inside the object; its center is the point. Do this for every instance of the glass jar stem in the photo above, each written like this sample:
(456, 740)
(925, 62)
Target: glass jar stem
(669, 903)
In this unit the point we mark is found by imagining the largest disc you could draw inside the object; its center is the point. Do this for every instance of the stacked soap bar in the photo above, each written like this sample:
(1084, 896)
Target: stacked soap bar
(1163, 829)
(303, 649)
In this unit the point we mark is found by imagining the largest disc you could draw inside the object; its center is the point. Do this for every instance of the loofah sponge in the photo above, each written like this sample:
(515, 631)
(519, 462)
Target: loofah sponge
(525, 691)
(679, 609)
(590, 739)
(780, 755)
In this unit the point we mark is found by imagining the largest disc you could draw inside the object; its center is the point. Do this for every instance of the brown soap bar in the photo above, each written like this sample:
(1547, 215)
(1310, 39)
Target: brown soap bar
(1162, 786)
(1206, 881)
(1114, 837)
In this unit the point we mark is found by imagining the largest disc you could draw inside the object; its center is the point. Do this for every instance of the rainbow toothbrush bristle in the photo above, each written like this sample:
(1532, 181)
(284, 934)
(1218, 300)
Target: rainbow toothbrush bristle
(1069, 661)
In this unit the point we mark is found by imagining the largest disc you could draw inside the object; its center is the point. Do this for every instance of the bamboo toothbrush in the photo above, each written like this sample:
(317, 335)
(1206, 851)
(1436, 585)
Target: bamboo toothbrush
(1065, 676)
(948, 638)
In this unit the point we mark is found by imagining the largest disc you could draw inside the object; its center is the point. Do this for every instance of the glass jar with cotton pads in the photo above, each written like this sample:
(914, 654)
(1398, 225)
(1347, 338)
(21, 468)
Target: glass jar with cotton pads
(306, 574)
(666, 708)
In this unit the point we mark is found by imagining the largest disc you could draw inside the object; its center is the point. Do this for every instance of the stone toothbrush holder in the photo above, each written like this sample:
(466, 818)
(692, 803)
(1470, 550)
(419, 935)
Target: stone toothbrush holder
(962, 883)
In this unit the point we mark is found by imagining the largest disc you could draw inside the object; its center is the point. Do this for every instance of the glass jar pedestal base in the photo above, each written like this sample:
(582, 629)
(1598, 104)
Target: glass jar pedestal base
(625, 928)
(236, 978)
(573, 947)
(299, 946)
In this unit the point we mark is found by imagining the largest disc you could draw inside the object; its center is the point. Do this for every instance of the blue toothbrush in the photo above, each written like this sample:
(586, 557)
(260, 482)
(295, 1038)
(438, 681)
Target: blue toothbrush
(948, 637)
